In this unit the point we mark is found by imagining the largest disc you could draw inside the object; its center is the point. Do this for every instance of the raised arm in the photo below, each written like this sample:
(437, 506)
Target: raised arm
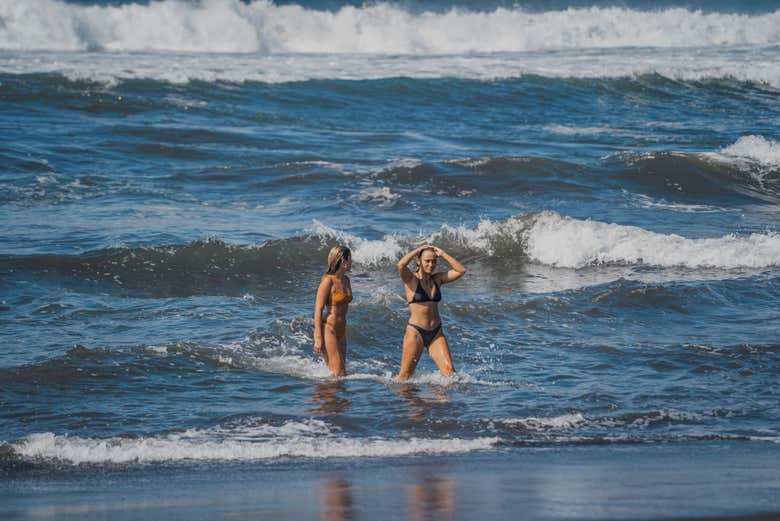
(322, 297)
(456, 271)
(406, 274)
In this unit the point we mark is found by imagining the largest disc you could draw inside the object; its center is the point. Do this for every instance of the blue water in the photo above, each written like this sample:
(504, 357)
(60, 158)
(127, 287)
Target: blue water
(167, 202)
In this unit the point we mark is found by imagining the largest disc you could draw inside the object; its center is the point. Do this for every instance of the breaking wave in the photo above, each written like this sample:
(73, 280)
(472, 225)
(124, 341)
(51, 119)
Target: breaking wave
(572, 243)
(178, 42)
(261, 26)
(292, 439)
(547, 238)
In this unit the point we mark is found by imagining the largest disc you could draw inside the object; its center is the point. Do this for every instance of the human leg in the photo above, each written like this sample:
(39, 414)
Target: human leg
(440, 353)
(335, 350)
(412, 350)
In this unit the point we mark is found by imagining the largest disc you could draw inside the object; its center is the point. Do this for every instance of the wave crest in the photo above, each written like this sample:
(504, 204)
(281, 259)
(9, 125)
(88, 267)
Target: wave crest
(753, 149)
(547, 238)
(562, 241)
(293, 439)
(382, 28)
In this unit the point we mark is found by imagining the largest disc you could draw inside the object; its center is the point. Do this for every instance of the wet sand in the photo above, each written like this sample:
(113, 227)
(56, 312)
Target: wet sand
(711, 481)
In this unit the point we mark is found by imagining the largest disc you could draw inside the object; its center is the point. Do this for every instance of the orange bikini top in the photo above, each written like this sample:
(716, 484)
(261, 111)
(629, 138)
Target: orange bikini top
(338, 297)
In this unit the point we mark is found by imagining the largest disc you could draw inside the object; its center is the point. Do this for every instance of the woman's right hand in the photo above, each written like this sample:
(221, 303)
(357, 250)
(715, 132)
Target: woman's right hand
(318, 345)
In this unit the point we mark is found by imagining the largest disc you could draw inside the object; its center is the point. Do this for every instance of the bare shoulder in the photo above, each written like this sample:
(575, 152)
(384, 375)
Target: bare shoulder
(408, 275)
(412, 278)
(445, 277)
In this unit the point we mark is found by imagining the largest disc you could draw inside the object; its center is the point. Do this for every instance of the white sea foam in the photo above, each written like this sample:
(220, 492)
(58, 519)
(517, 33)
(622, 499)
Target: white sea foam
(261, 26)
(312, 439)
(562, 241)
(178, 41)
(158, 350)
(757, 156)
(487, 236)
(651, 418)
(364, 251)
(565, 421)
(752, 65)
(567, 130)
(289, 354)
(298, 366)
(459, 378)
(770, 439)
(302, 366)
(382, 196)
(293, 357)
(757, 149)
(644, 201)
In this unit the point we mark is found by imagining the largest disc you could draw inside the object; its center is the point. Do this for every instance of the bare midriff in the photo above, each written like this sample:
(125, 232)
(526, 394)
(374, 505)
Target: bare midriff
(337, 315)
(424, 314)
(338, 306)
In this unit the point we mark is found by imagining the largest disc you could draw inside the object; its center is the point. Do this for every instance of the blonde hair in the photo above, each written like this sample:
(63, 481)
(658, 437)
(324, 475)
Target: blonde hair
(337, 255)
(420, 254)
(429, 248)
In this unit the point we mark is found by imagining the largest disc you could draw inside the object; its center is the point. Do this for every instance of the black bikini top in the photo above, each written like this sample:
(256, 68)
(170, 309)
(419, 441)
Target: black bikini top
(421, 296)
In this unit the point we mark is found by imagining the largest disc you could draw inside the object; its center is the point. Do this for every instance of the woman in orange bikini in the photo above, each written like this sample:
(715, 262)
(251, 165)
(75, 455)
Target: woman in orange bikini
(423, 293)
(335, 292)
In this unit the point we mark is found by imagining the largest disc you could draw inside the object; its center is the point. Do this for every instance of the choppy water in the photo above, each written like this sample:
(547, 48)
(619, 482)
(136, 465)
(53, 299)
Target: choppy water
(169, 193)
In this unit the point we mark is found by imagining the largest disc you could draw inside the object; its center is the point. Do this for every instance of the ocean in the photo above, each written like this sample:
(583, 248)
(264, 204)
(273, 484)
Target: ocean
(173, 174)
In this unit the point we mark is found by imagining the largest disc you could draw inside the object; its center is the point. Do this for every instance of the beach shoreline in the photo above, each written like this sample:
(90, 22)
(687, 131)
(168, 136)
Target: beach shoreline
(680, 481)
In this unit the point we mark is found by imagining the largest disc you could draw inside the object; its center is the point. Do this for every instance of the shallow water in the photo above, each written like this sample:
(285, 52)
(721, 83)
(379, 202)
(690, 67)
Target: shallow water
(167, 202)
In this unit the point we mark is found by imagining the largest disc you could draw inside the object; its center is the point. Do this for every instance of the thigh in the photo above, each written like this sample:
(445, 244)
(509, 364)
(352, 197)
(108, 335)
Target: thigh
(343, 347)
(440, 353)
(333, 352)
(412, 350)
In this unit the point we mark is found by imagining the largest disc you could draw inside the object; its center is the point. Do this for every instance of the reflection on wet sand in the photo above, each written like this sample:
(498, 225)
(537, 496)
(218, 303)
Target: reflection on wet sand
(326, 394)
(336, 502)
(430, 498)
(419, 406)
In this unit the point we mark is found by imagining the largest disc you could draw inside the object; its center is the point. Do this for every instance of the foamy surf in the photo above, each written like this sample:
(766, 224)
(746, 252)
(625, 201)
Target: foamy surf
(234, 41)
(302, 366)
(381, 196)
(565, 242)
(295, 441)
(565, 421)
(381, 28)
(364, 251)
(643, 201)
(292, 356)
(562, 241)
(111, 69)
(755, 150)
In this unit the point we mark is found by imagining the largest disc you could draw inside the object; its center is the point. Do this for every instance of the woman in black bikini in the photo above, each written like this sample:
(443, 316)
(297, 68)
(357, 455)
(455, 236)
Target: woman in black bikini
(423, 292)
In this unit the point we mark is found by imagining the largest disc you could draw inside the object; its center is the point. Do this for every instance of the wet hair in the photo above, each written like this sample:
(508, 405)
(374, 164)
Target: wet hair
(420, 254)
(337, 255)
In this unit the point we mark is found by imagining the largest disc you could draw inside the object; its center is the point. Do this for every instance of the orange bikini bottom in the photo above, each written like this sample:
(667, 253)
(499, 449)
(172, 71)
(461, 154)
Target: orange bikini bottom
(340, 329)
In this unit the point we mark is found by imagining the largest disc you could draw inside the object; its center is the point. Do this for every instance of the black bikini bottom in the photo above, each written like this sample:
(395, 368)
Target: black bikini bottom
(427, 335)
